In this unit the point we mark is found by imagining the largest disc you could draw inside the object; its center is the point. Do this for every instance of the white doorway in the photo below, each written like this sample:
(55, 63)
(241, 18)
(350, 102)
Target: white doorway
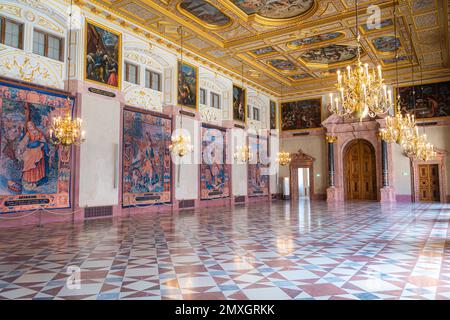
(303, 182)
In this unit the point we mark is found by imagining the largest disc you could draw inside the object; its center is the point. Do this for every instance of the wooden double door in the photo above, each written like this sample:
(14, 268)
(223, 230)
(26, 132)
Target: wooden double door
(429, 182)
(360, 171)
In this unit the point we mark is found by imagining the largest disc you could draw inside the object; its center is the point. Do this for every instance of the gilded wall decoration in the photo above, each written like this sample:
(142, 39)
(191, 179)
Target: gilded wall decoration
(12, 10)
(204, 13)
(141, 97)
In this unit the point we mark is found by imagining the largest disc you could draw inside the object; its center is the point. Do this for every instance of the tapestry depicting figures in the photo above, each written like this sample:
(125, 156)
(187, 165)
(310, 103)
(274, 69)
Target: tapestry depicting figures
(432, 100)
(301, 115)
(187, 85)
(273, 115)
(146, 159)
(103, 55)
(258, 179)
(214, 177)
(33, 172)
(239, 102)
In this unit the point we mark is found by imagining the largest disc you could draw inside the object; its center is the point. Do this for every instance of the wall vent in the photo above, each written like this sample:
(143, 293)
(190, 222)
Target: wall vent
(186, 204)
(239, 199)
(94, 212)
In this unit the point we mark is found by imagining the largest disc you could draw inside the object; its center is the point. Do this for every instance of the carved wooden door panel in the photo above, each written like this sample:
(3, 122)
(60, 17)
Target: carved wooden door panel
(360, 172)
(429, 182)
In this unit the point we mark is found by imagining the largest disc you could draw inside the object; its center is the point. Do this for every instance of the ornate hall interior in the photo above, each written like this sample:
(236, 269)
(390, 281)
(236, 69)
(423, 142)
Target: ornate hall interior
(224, 150)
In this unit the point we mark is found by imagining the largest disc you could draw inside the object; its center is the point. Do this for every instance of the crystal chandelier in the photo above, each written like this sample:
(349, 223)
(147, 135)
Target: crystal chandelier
(66, 131)
(283, 158)
(181, 144)
(243, 153)
(361, 90)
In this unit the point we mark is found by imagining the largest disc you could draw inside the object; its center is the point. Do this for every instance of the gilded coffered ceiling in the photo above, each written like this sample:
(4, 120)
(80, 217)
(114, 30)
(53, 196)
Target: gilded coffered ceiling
(296, 44)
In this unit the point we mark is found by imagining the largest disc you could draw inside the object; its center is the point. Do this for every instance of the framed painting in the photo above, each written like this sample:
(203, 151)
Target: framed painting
(273, 114)
(187, 85)
(103, 55)
(301, 115)
(146, 158)
(34, 173)
(239, 104)
(257, 181)
(214, 173)
(431, 100)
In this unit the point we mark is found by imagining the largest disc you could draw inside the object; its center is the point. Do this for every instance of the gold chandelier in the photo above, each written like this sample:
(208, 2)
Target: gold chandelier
(66, 131)
(243, 153)
(283, 158)
(417, 145)
(181, 145)
(361, 90)
(398, 127)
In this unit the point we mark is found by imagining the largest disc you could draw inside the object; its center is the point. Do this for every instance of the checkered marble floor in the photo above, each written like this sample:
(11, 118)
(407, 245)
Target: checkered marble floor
(305, 250)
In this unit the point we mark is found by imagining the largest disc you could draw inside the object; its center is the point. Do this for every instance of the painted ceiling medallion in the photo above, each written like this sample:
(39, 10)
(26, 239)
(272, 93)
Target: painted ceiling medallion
(386, 44)
(263, 51)
(204, 13)
(275, 11)
(300, 76)
(330, 54)
(314, 39)
(282, 64)
(383, 24)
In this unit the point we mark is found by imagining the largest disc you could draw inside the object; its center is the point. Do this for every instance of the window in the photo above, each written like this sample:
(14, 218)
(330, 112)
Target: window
(202, 96)
(153, 80)
(131, 73)
(11, 33)
(215, 100)
(47, 45)
(256, 114)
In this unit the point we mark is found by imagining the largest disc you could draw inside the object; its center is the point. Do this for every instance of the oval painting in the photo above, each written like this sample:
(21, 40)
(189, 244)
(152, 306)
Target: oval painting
(206, 12)
(281, 64)
(386, 43)
(330, 54)
(315, 39)
(282, 9)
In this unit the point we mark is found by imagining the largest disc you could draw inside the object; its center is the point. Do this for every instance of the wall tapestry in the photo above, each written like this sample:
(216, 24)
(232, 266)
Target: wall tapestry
(301, 115)
(146, 159)
(273, 114)
(258, 183)
(103, 55)
(432, 100)
(214, 173)
(239, 102)
(187, 85)
(33, 172)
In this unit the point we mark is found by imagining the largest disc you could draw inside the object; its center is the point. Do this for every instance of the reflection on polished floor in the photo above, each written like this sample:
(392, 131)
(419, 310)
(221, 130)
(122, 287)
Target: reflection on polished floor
(304, 250)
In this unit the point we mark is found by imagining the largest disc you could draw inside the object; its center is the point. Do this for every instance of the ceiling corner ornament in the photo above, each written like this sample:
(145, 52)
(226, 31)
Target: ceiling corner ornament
(361, 90)
(272, 13)
(205, 14)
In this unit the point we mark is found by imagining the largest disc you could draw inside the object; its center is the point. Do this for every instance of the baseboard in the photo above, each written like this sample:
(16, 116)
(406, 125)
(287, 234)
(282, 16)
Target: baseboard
(403, 197)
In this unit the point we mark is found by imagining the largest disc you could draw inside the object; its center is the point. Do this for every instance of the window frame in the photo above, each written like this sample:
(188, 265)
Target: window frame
(46, 36)
(203, 101)
(3, 20)
(212, 94)
(151, 73)
(127, 68)
(256, 111)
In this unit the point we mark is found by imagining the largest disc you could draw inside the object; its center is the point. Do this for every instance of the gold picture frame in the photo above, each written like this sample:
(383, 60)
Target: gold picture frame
(119, 55)
(280, 110)
(194, 67)
(244, 91)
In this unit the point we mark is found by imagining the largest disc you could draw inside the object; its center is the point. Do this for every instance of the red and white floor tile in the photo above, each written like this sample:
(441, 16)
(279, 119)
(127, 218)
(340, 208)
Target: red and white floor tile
(360, 250)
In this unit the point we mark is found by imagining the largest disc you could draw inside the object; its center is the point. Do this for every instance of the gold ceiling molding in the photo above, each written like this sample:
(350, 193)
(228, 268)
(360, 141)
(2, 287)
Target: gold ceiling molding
(270, 21)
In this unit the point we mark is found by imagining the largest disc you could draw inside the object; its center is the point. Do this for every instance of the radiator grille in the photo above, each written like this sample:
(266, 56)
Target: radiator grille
(94, 212)
(186, 204)
(239, 199)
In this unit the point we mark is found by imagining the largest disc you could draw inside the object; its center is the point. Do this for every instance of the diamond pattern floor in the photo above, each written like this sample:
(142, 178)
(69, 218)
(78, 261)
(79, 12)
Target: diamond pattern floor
(360, 250)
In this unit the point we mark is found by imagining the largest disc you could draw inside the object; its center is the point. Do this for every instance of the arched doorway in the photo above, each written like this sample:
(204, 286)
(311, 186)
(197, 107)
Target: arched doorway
(360, 178)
